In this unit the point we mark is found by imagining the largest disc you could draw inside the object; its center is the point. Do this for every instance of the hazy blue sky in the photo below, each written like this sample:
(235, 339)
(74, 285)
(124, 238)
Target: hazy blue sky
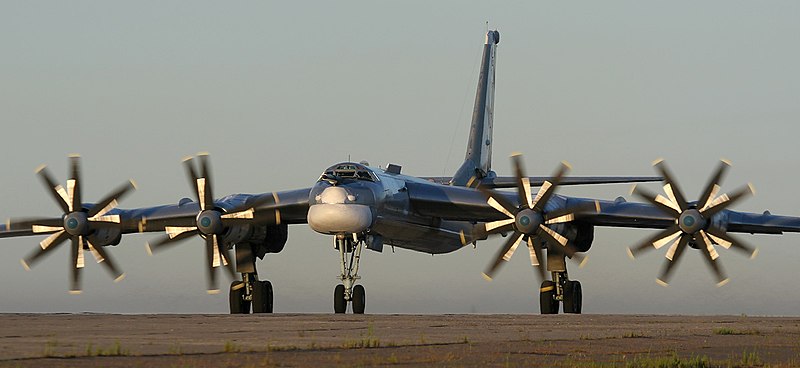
(277, 91)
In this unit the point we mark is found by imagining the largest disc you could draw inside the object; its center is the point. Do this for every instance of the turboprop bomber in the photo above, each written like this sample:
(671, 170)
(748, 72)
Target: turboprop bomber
(361, 206)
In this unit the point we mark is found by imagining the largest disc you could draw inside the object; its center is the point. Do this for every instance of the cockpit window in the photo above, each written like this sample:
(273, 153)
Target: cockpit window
(348, 171)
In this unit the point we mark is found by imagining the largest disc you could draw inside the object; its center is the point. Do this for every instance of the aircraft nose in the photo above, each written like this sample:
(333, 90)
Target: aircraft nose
(335, 195)
(335, 213)
(339, 218)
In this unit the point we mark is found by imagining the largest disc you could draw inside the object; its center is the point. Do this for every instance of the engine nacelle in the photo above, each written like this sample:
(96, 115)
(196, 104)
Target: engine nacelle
(580, 234)
(263, 238)
(106, 236)
(268, 239)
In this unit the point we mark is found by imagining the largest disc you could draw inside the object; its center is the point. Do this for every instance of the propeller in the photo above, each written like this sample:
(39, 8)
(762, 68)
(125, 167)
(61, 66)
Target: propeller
(76, 224)
(693, 222)
(528, 220)
(210, 222)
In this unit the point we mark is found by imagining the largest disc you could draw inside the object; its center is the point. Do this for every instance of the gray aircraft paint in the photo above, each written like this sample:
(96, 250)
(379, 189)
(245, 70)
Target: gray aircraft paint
(478, 160)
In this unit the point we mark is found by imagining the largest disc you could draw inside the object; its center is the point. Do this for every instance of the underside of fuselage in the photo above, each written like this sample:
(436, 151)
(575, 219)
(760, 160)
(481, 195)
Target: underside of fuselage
(438, 238)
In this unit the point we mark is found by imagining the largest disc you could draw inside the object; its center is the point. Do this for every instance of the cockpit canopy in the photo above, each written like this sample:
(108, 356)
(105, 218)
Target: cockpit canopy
(348, 170)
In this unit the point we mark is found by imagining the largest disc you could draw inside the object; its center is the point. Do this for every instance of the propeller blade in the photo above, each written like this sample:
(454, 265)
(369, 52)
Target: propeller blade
(111, 201)
(47, 245)
(212, 256)
(710, 255)
(510, 253)
(671, 186)
(568, 214)
(227, 260)
(36, 224)
(188, 163)
(679, 247)
(205, 172)
(499, 202)
(712, 188)
(103, 258)
(54, 189)
(499, 226)
(76, 264)
(724, 201)
(168, 240)
(536, 257)
(548, 188)
(100, 223)
(74, 183)
(729, 241)
(659, 201)
(500, 257)
(657, 241)
(523, 182)
(561, 244)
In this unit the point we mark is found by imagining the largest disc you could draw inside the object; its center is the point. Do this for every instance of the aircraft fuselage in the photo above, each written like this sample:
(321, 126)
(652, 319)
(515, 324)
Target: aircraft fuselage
(354, 198)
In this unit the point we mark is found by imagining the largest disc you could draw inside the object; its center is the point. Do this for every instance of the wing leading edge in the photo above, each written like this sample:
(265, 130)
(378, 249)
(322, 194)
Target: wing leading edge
(502, 182)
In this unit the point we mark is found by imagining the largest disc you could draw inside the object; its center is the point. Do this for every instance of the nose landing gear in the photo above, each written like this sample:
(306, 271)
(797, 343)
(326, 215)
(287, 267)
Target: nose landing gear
(347, 292)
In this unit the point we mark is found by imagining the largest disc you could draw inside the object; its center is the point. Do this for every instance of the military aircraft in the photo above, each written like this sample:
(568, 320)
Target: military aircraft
(363, 206)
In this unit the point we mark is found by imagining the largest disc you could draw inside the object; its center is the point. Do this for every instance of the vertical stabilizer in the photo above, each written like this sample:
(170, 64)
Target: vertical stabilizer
(478, 162)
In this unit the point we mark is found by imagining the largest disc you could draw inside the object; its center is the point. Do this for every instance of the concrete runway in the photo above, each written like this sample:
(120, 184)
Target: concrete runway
(104, 340)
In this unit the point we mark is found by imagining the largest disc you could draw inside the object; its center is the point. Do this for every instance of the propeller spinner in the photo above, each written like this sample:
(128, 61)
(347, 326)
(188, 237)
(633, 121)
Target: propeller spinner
(529, 221)
(693, 222)
(76, 224)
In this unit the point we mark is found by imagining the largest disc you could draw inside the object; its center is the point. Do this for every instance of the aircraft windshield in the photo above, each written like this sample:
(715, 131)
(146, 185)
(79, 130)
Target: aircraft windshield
(349, 171)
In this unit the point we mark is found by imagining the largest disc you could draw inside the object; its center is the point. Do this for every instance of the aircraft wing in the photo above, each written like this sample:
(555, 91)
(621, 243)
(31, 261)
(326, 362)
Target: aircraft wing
(511, 182)
(287, 207)
(466, 204)
(641, 215)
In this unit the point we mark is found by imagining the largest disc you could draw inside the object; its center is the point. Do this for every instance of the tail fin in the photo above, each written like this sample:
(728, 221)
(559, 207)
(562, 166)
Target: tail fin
(478, 162)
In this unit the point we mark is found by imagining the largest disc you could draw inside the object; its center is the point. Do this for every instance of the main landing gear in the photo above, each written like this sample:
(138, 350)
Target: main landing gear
(250, 292)
(347, 292)
(559, 290)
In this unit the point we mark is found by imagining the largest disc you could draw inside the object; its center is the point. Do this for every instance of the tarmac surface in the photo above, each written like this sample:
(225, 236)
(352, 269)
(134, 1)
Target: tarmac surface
(293, 340)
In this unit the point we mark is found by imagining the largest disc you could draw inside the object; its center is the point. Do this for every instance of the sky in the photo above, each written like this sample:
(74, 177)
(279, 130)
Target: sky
(278, 91)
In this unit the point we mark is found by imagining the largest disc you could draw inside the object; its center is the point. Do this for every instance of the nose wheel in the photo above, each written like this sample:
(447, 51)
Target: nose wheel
(349, 247)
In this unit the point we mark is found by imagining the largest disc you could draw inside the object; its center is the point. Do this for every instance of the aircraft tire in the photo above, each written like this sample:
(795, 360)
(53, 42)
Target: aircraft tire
(359, 299)
(262, 297)
(547, 302)
(572, 297)
(339, 304)
(236, 298)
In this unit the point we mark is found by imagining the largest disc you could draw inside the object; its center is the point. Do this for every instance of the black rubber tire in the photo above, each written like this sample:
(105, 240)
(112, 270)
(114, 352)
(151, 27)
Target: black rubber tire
(573, 296)
(359, 299)
(339, 304)
(547, 302)
(236, 300)
(262, 297)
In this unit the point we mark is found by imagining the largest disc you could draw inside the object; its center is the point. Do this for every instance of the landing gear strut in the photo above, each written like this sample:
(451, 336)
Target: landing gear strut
(561, 290)
(350, 254)
(250, 291)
